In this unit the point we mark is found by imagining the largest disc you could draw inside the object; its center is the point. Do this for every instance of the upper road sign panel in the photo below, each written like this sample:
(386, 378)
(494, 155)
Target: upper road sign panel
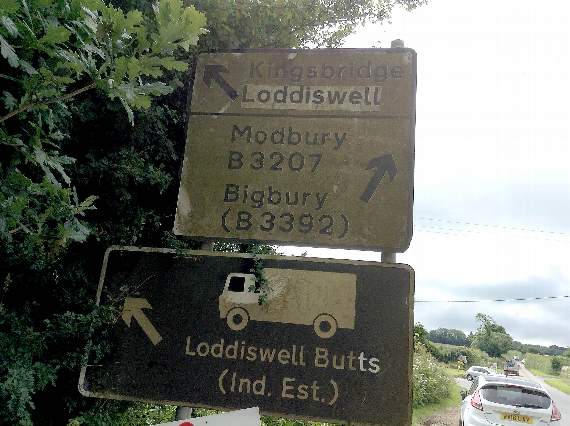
(309, 147)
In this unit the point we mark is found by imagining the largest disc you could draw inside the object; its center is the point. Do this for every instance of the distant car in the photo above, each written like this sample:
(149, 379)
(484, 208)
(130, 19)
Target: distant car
(476, 371)
(506, 401)
(511, 368)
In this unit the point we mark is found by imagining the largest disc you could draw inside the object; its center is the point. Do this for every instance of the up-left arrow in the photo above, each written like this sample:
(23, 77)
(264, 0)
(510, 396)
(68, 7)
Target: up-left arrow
(133, 307)
(213, 73)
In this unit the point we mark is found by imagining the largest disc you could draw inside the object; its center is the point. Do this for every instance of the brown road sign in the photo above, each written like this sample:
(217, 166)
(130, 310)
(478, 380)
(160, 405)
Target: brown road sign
(331, 340)
(308, 147)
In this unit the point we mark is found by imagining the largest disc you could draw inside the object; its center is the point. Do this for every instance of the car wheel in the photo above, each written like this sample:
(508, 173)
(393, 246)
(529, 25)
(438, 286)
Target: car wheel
(325, 326)
(237, 319)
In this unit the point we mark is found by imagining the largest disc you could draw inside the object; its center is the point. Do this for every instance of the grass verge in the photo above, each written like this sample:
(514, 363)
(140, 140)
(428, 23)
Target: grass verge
(537, 372)
(560, 384)
(453, 400)
(453, 372)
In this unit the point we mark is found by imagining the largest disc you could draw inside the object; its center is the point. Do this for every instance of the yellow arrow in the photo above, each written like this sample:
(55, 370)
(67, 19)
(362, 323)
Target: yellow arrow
(133, 307)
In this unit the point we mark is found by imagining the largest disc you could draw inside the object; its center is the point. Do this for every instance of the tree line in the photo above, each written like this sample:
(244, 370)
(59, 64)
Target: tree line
(492, 338)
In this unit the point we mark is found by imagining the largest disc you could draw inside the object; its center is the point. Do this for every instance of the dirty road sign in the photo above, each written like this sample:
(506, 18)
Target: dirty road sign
(331, 340)
(308, 147)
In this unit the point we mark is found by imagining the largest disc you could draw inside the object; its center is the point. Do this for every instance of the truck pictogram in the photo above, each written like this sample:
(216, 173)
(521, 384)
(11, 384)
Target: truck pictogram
(325, 300)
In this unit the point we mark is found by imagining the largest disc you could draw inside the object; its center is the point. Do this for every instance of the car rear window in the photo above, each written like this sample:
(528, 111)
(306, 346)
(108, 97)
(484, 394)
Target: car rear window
(516, 396)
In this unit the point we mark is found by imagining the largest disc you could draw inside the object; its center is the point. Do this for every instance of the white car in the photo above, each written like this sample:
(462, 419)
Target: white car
(506, 401)
(476, 371)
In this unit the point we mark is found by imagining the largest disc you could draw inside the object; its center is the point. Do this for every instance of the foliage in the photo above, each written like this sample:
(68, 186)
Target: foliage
(290, 23)
(491, 337)
(556, 365)
(541, 350)
(430, 381)
(54, 52)
(39, 219)
(19, 345)
(449, 336)
(261, 284)
(420, 335)
(450, 354)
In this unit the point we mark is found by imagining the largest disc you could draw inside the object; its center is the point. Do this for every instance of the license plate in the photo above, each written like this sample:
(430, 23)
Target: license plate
(518, 418)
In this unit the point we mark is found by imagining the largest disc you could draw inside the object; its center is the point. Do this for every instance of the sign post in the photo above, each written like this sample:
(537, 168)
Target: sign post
(325, 339)
(308, 147)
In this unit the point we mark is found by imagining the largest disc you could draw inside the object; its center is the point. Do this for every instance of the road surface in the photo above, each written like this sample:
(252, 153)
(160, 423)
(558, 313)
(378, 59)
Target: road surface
(562, 400)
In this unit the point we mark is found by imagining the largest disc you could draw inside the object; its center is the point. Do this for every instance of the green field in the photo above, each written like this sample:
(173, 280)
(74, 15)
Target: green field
(454, 372)
(541, 365)
(560, 383)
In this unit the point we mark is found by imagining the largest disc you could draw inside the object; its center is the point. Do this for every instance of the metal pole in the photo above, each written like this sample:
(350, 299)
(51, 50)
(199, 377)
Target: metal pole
(397, 43)
(387, 256)
(183, 413)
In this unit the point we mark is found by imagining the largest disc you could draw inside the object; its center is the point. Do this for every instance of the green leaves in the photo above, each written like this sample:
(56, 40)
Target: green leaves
(9, 25)
(8, 52)
(122, 54)
(10, 6)
(10, 102)
(178, 26)
(41, 217)
(55, 35)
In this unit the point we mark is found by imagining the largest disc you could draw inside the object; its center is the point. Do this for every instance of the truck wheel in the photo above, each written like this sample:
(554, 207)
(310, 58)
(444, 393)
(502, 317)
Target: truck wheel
(325, 326)
(237, 319)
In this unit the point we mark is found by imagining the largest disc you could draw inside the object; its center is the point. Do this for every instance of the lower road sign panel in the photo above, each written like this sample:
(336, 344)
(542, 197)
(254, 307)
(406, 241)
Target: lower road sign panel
(309, 338)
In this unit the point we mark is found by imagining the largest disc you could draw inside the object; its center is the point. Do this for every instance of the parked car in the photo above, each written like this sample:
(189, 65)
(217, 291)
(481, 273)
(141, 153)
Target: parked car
(476, 371)
(505, 401)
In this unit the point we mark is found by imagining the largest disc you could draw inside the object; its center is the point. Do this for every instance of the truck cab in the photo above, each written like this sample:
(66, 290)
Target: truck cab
(239, 290)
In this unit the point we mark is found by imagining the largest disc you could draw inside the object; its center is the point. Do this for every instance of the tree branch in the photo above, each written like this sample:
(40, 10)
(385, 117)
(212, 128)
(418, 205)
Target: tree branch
(65, 97)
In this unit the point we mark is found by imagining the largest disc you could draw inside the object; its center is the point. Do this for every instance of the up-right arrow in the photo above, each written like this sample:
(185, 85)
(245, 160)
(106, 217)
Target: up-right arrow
(382, 164)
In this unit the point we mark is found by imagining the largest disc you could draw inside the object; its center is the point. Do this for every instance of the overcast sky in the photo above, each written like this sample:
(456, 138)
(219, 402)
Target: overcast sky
(492, 180)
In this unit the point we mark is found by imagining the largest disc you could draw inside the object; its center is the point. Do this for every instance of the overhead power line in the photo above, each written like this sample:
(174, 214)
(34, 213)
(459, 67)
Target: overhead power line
(494, 226)
(458, 232)
(515, 299)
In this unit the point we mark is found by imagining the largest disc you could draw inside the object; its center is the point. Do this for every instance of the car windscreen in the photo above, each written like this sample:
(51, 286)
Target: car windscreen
(515, 396)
